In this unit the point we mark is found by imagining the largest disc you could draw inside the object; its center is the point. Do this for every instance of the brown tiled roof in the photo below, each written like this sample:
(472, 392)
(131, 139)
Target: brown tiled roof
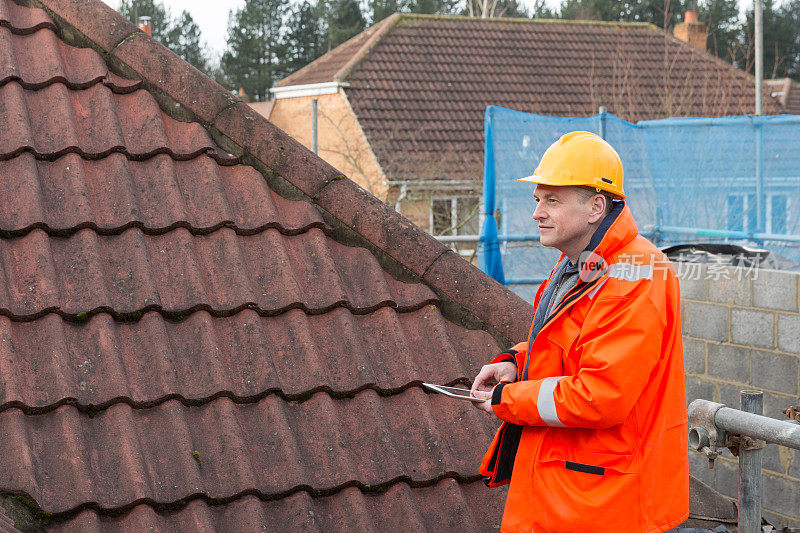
(203, 323)
(421, 88)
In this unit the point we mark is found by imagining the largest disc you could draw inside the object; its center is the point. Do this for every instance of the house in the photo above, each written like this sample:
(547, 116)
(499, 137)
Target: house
(401, 105)
(205, 327)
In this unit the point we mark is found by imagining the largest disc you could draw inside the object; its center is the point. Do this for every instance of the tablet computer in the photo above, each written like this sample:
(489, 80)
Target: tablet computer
(453, 392)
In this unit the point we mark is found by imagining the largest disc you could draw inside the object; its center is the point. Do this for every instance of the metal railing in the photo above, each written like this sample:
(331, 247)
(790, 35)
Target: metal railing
(745, 432)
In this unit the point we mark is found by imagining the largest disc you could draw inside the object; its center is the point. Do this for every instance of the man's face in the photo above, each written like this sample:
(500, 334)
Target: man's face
(564, 216)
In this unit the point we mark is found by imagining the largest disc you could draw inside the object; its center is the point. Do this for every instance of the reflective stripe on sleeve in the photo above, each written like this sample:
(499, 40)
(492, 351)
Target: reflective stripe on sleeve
(547, 404)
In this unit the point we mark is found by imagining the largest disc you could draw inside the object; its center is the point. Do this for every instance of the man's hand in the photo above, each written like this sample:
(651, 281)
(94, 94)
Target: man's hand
(487, 378)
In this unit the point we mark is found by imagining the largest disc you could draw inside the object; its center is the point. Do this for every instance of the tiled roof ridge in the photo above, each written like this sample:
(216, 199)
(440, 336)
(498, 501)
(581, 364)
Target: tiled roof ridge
(239, 129)
(523, 20)
(95, 409)
(53, 518)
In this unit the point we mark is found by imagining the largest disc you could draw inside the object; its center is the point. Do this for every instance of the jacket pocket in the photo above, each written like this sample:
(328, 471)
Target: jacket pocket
(588, 489)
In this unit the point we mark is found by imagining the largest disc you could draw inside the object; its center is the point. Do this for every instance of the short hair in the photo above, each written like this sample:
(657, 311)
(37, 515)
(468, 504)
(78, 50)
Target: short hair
(588, 192)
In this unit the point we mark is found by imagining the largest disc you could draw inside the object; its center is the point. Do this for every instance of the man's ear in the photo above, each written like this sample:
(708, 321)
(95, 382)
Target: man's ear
(597, 208)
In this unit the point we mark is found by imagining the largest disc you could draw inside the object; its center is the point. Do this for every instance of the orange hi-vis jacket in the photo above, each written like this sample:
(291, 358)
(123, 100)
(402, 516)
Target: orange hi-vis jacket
(594, 434)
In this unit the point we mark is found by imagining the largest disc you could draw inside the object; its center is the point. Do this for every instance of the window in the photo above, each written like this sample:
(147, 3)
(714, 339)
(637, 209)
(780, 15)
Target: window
(735, 210)
(442, 215)
(457, 215)
(741, 212)
(776, 218)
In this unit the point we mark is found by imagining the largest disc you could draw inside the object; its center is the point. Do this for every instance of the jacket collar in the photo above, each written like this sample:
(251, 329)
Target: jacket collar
(615, 231)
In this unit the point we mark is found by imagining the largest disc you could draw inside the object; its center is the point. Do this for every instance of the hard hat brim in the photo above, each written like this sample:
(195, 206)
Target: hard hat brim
(540, 180)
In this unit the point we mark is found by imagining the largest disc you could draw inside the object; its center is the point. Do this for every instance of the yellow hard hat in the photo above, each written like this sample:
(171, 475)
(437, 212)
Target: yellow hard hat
(580, 158)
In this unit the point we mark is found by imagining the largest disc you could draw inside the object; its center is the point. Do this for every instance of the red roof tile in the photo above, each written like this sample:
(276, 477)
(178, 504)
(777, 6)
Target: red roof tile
(100, 362)
(271, 448)
(422, 85)
(189, 343)
(156, 194)
(179, 273)
(95, 122)
(446, 505)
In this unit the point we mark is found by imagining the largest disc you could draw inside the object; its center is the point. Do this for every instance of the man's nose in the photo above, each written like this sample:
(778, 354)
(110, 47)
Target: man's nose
(538, 212)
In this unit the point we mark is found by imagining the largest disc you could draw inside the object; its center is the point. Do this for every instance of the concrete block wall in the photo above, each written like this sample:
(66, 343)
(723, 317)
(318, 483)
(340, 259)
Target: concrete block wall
(741, 330)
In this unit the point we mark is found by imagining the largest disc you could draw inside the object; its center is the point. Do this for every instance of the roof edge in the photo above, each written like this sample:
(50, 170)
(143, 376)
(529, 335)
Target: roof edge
(387, 24)
(194, 96)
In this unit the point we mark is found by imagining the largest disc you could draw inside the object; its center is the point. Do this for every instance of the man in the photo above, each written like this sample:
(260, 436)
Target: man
(593, 404)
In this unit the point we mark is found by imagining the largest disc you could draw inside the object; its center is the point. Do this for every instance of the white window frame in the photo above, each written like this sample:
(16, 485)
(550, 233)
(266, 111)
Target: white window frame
(463, 248)
(745, 210)
(768, 214)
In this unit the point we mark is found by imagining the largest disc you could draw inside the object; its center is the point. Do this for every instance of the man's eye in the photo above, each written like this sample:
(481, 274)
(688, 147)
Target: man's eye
(552, 201)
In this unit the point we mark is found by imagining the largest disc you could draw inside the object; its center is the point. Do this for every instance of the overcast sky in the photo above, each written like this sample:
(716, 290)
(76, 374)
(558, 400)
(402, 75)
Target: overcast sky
(212, 16)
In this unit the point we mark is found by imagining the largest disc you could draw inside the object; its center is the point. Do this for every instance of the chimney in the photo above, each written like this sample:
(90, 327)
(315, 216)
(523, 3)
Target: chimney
(690, 30)
(144, 24)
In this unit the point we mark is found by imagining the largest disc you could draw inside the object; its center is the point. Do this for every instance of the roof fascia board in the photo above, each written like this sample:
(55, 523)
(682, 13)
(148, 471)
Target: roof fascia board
(309, 89)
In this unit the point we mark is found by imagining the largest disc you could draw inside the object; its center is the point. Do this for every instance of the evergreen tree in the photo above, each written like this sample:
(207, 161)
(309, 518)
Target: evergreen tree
(380, 9)
(540, 10)
(183, 38)
(305, 37)
(434, 7)
(346, 21)
(592, 9)
(781, 41)
(256, 54)
(722, 17)
(662, 13)
(181, 34)
(160, 19)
